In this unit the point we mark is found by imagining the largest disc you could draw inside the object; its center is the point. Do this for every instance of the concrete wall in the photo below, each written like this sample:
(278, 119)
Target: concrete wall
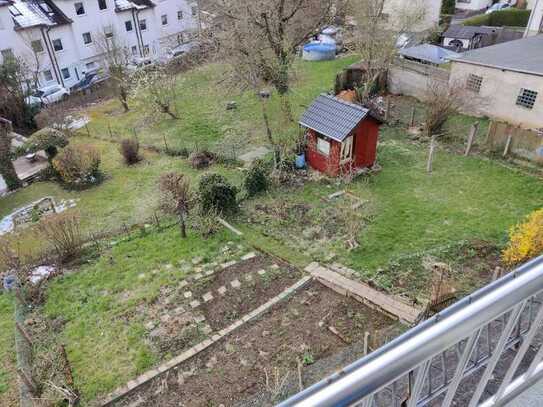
(499, 91)
(527, 144)
(412, 79)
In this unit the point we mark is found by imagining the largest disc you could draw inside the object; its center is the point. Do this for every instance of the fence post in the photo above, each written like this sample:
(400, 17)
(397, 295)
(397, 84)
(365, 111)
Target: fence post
(387, 108)
(508, 142)
(431, 154)
(412, 118)
(471, 137)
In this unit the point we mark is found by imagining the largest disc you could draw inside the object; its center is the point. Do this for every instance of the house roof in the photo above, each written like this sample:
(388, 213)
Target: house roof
(333, 117)
(467, 32)
(429, 53)
(33, 13)
(524, 55)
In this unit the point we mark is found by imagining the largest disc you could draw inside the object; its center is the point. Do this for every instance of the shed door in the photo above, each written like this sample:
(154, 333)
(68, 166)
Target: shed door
(347, 149)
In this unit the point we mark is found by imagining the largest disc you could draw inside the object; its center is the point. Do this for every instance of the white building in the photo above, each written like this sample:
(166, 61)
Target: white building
(425, 12)
(508, 80)
(59, 38)
(535, 24)
(473, 4)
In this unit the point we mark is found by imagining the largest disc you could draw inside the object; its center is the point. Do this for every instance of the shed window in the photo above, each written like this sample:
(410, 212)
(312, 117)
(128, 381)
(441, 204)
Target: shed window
(323, 146)
(57, 45)
(347, 149)
(526, 98)
(474, 83)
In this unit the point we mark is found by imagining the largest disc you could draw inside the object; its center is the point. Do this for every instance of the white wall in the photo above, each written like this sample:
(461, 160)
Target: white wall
(499, 91)
(473, 4)
(397, 9)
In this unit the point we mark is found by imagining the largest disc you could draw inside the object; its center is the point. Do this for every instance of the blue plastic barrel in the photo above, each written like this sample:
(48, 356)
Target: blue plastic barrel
(317, 51)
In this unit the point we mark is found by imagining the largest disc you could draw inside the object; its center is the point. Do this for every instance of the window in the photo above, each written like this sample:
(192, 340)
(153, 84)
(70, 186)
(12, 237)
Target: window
(180, 15)
(102, 5)
(474, 83)
(164, 19)
(90, 65)
(7, 53)
(65, 73)
(134, 50)
(48, 76)
(57, 45)
(128, 25)
(37, 46)
(143, 25)
(108, 32)
(323, 146)
(87, 39)
(79, 9)
(347, 149)
(194, 11)
(526, 98)
(145, 50)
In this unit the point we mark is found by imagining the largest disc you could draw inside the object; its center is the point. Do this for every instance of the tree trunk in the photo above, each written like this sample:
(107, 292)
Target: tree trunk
(123, 97)
(7, 170)
(166, 109)
(276, 152)
(182, 226)
(286, 108)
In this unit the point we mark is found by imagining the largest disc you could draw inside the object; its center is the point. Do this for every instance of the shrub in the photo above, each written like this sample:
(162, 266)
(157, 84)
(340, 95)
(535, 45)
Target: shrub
(217, 194)
(47, 139)
(512, 17)
(448, 6)
(176, 197)
(200, 159)
(78, 165)
(63, 232)
(525, 240)
(256, 180)
(130, 150)
(206, 223)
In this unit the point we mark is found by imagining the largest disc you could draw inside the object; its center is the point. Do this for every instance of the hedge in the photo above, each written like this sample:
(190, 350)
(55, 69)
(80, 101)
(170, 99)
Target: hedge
(512, 17)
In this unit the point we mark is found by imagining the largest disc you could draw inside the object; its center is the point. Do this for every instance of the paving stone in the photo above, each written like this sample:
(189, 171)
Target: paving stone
(222, 290)
(199, 319)
(150, 325)
(209, 272)
(179, 310)
(195, 303)
(165, 318)
(235, 283)
(198, 276)
(228, 264)
(261, 272)
(187, 294)
(248, 277)
(206, 329)
(183, 284)
(197, 260)
(207, 296)
(274, 267)
(248, 256)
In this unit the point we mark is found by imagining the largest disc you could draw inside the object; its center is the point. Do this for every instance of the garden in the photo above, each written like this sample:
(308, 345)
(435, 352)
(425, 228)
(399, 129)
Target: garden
(140, 294)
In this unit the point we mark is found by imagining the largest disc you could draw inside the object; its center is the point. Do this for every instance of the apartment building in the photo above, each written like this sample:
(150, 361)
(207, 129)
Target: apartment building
(62, 39)
(535, 24)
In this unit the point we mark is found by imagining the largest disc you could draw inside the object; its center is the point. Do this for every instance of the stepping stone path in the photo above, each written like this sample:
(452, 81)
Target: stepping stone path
(199, 318)
(235, 283)
(187, 294)
(207, 296)
(222, 290)
(195, 304)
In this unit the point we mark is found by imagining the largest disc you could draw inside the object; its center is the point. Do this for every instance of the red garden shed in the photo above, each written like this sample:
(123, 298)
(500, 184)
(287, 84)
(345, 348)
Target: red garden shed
(341, 136)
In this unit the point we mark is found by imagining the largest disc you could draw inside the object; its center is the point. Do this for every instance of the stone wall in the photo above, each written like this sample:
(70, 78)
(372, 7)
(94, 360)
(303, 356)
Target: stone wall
(412, 79)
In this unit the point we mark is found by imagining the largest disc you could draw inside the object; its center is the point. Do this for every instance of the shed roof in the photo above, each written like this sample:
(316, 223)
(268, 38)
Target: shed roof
(524, 55)
(333, 117)
(467, 32)
(429, 53)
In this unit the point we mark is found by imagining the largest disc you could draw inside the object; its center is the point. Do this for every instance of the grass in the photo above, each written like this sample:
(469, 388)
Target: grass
(105, 337)
(8, 392)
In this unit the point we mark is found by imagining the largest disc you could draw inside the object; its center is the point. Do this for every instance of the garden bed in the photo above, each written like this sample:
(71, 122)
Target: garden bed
(311, 325)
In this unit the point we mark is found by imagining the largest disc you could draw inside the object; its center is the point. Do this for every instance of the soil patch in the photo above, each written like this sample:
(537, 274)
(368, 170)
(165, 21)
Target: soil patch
(260, 357)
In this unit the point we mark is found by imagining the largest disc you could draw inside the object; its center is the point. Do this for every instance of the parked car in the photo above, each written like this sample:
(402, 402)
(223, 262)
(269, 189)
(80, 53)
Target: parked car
(497, 7)
(179, 51)
(47, 95)
(90, 79)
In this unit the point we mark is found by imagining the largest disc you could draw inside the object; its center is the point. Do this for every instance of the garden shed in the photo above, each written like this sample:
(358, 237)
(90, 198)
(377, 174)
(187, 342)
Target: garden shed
(341, 136)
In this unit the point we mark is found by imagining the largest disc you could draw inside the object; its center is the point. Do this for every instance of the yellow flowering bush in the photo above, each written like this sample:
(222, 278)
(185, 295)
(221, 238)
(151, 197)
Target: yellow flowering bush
(525, 240)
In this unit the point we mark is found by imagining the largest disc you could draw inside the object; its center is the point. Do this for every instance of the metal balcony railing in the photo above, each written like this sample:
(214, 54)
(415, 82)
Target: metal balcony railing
(482, 351)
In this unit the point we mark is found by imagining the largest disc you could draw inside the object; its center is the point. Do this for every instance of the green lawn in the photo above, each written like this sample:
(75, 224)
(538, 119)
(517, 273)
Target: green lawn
(8, 392)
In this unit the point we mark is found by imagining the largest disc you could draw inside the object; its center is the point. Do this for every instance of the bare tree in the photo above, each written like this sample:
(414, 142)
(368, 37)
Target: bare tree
(7, 170)
(263, 36)
(377, 24)
(117, 57)
(157, 90)
(176, 197)
(443, 99)
(14, 73)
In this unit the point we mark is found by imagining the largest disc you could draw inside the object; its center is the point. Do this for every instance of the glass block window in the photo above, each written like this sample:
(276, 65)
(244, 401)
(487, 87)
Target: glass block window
(526, 98)
(474, 83)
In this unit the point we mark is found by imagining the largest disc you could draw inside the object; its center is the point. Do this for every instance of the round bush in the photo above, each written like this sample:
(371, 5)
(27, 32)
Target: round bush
(256, 180)
(217, 194)
(130, 150)
(47, 139)
(78, 165)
